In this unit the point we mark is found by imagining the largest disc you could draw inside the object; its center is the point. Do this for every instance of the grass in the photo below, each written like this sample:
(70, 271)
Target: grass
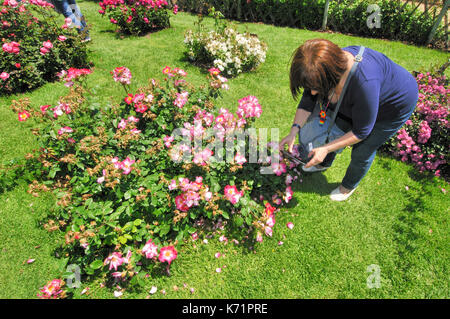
(326, 255)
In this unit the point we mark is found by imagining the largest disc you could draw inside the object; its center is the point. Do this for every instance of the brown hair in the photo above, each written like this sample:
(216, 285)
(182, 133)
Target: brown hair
(318, 64)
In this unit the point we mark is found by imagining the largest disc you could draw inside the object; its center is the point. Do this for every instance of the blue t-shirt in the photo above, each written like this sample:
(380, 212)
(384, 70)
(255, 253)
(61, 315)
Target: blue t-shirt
(379, 91)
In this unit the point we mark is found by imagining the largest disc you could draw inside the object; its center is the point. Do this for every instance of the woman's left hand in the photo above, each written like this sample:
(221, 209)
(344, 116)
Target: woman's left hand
(317, 156)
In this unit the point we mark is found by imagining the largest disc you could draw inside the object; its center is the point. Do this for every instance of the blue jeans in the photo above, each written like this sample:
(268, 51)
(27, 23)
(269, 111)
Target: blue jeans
(70, 9)
(363, 153)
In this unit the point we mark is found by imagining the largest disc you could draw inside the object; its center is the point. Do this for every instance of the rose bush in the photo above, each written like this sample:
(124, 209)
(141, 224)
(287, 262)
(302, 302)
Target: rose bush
(137, 17)
(34, 46)
(134, 179)
(424, 140)
(224, 48)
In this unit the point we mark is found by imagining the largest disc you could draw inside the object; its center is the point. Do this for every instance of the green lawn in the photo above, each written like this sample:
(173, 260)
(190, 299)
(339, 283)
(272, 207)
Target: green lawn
(402, 230)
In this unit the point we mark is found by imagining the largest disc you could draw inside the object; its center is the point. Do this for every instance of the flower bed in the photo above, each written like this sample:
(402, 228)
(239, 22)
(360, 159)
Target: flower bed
(137, 17)
(224, 48)
(424, 140)
(34, 46)
(134, 179)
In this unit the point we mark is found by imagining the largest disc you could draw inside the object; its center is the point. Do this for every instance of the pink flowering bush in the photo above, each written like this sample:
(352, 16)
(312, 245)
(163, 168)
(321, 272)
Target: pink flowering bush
(137, 17)
(134, 179)
(424, 140)
(35, 46)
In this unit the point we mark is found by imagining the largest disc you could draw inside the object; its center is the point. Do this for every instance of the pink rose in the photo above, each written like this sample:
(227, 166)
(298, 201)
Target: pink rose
(44, 51)
(4, 76)
(47, 44)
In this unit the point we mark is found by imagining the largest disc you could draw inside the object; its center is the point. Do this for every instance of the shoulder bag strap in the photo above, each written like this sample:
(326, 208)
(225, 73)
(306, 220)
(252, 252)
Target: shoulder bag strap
(358, 59)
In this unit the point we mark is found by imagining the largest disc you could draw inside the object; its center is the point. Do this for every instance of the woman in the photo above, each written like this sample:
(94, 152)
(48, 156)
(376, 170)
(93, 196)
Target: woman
(379, 99)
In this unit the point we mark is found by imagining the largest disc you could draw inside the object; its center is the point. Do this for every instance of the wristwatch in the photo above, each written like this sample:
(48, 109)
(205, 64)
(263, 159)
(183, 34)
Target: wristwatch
(296, 125)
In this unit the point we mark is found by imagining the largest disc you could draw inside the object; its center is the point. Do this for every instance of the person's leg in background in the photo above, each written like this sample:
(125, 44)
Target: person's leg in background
(70, 9)
(76, 10)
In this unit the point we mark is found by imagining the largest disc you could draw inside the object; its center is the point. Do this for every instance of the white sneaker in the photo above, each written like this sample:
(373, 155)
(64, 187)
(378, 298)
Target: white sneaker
(336, 194)
(313, 169)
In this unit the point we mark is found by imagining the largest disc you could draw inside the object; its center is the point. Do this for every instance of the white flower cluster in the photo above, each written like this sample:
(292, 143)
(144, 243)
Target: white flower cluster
(231, 52)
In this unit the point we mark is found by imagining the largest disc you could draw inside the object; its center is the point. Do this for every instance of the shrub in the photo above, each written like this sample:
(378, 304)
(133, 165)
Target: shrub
(399, 21)
(137, 17)
(294, 13)
(224, 48)
(124, 197)
(424, 140)
(34, 46)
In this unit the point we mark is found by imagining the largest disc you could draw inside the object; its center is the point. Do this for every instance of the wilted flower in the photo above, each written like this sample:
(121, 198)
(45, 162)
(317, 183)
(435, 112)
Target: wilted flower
(114, 260)
(153, 290)
(259, 237)
(53, 290)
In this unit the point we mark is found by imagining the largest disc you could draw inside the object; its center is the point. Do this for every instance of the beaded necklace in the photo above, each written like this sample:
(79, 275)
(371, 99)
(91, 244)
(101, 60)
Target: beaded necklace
(323, 111)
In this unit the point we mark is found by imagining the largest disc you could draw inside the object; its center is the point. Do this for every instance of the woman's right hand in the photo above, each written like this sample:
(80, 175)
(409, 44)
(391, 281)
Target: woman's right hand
(289, 141)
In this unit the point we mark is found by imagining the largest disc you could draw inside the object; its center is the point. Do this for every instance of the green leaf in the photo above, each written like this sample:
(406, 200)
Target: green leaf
(238, 220)
(96, 264)
(180, 236)
(225, 215)
(164, 230)
(53, 171)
